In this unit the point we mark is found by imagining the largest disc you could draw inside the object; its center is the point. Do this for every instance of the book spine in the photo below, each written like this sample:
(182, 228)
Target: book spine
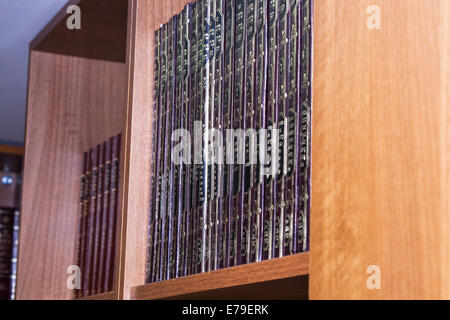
(190, 168)
(79, 252)
(156, 250)
(14, 256)
(217, 102)
(98, 220)
(303, 133)
(182, 66)
(281, 116)
(206, 240)
(112, 220)
(270, 189)
(197, 268)
(105, 209)
(185, 123)
(154, 159)
(84, 232)
(177, 167)
(228, 121)
(239, 123)
(260, 118)
(250, 178)
(168, 185)
(173, 173)
(193, 109)
(91, 223)
(6, 239)
(202, 117)
(211, 126)
(165, 167)
(291, 124)
(173, 169)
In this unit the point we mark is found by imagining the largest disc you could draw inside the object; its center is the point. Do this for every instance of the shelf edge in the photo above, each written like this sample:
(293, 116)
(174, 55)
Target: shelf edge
(269, 270)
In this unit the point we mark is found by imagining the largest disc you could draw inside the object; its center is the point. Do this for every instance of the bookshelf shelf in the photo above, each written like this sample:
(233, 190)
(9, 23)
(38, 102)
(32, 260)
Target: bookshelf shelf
(228, 283)
(103, 296)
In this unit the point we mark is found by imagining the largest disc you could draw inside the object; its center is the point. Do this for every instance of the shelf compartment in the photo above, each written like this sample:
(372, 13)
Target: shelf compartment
(256, 280)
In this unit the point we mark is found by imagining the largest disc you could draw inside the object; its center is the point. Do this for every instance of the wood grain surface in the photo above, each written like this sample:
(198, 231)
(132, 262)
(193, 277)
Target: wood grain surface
(232, 278)
(380, 148)
(73, 104)
(145, 16)
(102, 35)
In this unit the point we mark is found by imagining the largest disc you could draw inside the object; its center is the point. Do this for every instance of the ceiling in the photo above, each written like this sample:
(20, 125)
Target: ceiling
(20, 22)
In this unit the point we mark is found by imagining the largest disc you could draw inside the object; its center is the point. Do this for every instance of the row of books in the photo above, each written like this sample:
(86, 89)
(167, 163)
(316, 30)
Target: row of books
(9, 243)
(98, 218)
(230, 64)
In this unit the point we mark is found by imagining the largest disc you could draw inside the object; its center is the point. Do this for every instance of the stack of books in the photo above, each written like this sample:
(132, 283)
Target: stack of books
(98, 218)
(9, 243)
(230, 166)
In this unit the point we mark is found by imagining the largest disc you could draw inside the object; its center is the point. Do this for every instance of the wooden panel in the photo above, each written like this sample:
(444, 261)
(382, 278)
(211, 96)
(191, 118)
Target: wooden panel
(74, 103)
(199, 285)
(101, 296)
(380, 148)
(102, 35)
(145, 16)
(295, 288)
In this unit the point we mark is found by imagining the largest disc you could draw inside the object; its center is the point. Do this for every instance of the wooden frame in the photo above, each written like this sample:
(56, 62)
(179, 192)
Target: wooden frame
(379, 158)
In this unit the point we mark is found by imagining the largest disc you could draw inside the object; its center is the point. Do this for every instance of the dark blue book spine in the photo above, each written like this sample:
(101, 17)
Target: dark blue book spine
(219, 184)
(154, 159)
(281, 112)
(239, 109)
(303, 134)
(168, 185)
(260, 123)
(248, 246)
(271, 116)
(174, 168)
(211, 124)
(205, 111)
(291, 125)
(191, 173)
(182, 98)
(228, 123)
(160, 162)
(198, 137)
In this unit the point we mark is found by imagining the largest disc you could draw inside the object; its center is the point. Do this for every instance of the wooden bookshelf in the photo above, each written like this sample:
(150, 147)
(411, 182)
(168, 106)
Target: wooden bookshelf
(380, 174)
(229, 282)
